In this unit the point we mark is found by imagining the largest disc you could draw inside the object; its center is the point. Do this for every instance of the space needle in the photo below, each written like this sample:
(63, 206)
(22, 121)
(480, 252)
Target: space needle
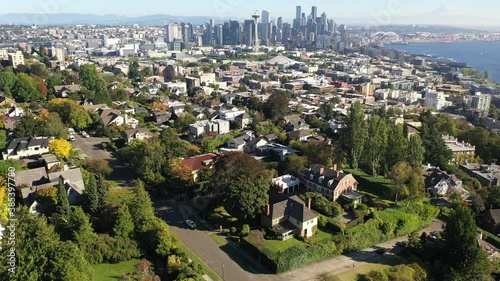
(256, 43)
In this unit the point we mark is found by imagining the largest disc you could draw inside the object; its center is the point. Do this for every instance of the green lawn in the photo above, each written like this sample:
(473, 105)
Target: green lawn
(112, 272)
(378, 186)
(320, 236)
(208, 271)
(277, 246)
(389, 261)
(220, 240)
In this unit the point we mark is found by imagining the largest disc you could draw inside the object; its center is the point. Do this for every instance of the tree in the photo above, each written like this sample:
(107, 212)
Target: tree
(276, 106)
(376, 144)
(98, 166)
(71, 113)
(319, 153)
(25, 90)
(356, 134)
(416, 184)
(293, 164)
(124, 225)
(494, 196)
(81, 229)
(436, 151)
(102, 188)
(102, 92)
(141, 209)
(3, 139)
(68, 263)
(7, 80)
(92, 202)
(400, 174)
(52, 126)
(241, 188)
(397, 144)
(63, 207)
(133, 70)
(29, 126)
(416, 151)
(48, 199)
(61, 148)
(463, 254)
(89, 76)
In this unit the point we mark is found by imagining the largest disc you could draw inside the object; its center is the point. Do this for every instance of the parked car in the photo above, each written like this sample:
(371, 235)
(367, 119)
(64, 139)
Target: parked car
(71, 137)
(71, 131)
(191, 224)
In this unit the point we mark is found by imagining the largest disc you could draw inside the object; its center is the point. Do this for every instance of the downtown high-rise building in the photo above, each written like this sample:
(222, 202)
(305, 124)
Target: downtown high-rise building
(265, 29)
(173, 32)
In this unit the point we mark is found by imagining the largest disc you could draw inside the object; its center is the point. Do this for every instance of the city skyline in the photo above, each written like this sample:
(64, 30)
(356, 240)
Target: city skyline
(483, 13)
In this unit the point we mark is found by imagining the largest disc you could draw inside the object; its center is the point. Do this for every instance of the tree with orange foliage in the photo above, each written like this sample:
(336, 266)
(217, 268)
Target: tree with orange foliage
(61, 148)
(159, 105)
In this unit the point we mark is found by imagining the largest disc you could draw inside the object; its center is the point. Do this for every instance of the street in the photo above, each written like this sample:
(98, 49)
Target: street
(92, 148)
(217, 257)
(236, 267)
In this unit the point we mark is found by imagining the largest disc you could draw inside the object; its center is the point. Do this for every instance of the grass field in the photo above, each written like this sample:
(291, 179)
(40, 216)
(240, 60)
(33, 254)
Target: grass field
(375, 185)
(112, 272)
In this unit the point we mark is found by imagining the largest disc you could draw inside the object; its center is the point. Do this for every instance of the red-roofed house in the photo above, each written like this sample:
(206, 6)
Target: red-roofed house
(198, 163)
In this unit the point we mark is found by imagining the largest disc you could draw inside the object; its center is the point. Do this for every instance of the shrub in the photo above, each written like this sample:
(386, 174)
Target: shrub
(357, 214)
(232, 230)
(322, 205)
(245, 230)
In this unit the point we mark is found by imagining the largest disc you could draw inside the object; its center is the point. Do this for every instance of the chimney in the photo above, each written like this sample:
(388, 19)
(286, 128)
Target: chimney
(338, 173)
(335, 167)
(309, 201)
(268, 210)
(321, 170)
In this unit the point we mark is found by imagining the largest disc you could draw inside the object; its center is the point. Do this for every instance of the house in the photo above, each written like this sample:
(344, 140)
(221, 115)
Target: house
(488, 175)
(301, 135)
(492, 221)
(137, 134)
(113, 116)
(161, 116)
(244, 120)
(15, 111)
(5, 101)
(216, 126)
(290, 216)
(329, 182)
(439, 183)
(286, 184)
(460, 150)
(294, 123)
(198, 163)
(239, 142)
(25, 147)
(64, 90)
(10, 123)
(29, 182)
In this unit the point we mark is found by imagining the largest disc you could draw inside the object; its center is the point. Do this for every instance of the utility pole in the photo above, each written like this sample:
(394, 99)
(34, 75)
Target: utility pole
(223, 272)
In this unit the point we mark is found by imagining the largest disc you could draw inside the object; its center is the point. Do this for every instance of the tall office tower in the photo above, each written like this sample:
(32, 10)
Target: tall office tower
(219, 34)
(286, 33)
(248, 26)
(298, 13)
(323, 24)
(187, 33)
(314, 13)
(256, 43)
(235, 27)
(174, 32)
(279, 23)
(331, 25)
(303, 20)
(265, 27)
(209, 33)
(343, 32)
(212, 22)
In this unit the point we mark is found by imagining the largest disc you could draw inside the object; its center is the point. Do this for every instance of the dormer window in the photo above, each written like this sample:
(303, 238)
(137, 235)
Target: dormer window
(321, 179)
(311, 176)
(330, 182)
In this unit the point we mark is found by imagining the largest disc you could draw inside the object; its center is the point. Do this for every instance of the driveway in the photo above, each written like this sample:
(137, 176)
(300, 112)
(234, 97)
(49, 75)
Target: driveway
(224, 262)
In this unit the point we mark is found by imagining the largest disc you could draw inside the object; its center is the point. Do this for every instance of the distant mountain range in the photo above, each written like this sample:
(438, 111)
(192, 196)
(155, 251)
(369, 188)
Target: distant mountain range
(87, 19)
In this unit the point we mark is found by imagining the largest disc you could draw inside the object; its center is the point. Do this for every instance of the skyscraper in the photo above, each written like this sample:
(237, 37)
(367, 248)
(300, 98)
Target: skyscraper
(314, 13)
(298, 13)
(174, 32)
(264, 30)
(279, 23)
(248, 26)
(219, 34)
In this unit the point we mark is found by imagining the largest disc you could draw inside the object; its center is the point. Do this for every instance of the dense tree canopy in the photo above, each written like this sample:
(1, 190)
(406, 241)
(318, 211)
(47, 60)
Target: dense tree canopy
(241, 182)
(355, 134)
(25, 89)
(276, 106)
(71, 113)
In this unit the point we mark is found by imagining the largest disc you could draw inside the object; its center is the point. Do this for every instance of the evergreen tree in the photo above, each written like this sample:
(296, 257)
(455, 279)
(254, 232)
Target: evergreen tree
(376, 144)
(397, 144)
(464, 256)
(102, 189)
(416, 151)
(68, 263)
(124, 225)
(141, 210)
(92, 200)
(356, 134)
(436, 151)
(63, 207)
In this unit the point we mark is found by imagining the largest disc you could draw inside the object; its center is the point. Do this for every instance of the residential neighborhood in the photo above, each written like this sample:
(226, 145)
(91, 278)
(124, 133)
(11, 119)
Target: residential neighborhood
(253, 150)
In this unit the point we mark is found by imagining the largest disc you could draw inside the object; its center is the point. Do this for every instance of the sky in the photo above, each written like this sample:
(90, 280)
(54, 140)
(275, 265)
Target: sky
(483, 12)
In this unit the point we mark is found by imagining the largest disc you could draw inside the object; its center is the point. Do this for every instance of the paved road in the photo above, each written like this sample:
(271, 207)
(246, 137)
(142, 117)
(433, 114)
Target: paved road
(92, 148)
(222, 260)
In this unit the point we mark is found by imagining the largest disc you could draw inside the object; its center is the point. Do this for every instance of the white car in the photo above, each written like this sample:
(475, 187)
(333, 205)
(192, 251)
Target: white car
(191, 224)
(71, 131)
(71, 137)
